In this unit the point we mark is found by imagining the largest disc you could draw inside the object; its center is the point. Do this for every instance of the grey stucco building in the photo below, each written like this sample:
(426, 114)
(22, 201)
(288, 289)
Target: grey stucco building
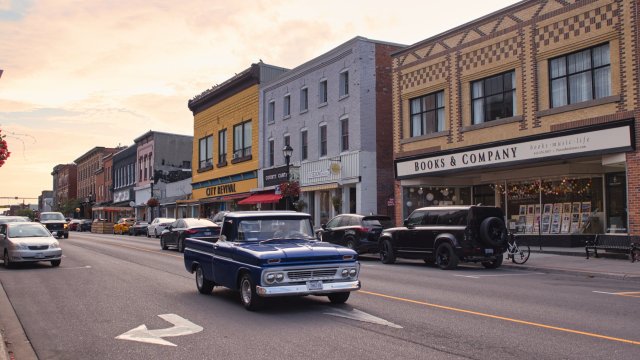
(335, 112)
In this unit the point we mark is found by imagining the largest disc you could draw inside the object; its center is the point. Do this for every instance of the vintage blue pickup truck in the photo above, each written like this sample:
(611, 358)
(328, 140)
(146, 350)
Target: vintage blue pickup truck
(272, 253)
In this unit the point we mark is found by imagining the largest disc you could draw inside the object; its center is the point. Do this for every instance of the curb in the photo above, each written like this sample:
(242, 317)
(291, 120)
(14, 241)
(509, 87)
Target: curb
(591, 274)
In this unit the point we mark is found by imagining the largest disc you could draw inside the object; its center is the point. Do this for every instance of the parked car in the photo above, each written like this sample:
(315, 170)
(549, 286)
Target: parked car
(448, 235)
(56, 223)
(357, 232)
(218, 217)
(270, 254)
(73, 224)
(139, 227)
(122, 226)
(28, 242)
(85, 225)
(176, 232)
(157, 225)
(10, 218)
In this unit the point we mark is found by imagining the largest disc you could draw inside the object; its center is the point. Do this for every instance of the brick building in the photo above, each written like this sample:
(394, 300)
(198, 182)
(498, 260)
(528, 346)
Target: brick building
(65, 184)
(87, 165)
(532, 108)
(225, 142)
(334, 111)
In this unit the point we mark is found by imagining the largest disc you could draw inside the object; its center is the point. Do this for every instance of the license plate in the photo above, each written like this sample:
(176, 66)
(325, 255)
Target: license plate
(39, 256)
(207, 233)
(314, 285)
(488, 251)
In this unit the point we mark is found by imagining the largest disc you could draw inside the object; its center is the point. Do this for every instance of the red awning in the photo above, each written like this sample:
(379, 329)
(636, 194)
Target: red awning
(261, 198)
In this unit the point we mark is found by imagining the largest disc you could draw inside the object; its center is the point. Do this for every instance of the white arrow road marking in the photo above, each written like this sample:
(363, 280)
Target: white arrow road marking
(181, 326)
(362, 316)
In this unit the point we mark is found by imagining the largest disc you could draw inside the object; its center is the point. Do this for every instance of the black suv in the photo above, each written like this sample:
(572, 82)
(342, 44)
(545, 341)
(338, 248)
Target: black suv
(448, 235)
(357, 232)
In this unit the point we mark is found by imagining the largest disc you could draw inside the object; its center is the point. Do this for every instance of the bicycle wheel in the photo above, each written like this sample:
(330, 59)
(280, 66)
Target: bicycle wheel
(521, 255)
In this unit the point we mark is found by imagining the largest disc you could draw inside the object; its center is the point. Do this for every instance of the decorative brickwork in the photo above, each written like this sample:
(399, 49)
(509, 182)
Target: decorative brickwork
(502, 50)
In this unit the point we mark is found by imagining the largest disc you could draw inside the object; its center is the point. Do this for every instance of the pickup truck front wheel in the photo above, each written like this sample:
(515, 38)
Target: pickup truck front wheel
(204, 286)
(248, 295)
(339, 298)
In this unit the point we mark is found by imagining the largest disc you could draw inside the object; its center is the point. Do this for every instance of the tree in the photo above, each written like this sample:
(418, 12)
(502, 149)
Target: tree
(4, 149)
(26, 212)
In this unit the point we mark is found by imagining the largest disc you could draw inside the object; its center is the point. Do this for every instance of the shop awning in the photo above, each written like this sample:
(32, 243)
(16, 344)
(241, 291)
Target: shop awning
(319, 187)
(222, 198)
(261, 198)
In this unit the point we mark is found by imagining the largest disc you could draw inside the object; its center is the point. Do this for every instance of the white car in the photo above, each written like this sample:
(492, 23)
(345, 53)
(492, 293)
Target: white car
(157, 225)
(28, 242)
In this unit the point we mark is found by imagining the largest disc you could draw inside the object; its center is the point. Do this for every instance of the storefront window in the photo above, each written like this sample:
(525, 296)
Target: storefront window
(420, 196)
(557, 206)
(616, 185)
(325, 206)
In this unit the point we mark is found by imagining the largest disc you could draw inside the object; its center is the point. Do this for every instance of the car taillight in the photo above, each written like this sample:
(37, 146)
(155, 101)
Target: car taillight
(363, 229)
(191, 231)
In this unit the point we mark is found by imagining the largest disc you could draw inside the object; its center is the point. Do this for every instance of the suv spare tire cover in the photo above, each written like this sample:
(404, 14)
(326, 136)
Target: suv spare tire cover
(493, 232)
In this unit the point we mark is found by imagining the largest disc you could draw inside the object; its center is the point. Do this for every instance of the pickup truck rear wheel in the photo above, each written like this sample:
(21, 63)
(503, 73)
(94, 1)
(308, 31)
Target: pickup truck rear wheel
(339, 298)
(445, 257)
(204, 286)
(387, 254)
(248, 295)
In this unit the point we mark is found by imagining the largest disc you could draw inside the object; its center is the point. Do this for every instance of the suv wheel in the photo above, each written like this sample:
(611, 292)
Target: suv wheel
(493, 232)
(387, 254)
(446, 259)
(493, 264)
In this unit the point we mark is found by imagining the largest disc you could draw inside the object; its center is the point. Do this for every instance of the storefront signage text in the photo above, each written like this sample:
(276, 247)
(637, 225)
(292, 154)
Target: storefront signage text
(221, 190)
(554, 147)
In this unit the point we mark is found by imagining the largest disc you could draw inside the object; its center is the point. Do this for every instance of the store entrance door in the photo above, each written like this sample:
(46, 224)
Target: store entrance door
(616, 202)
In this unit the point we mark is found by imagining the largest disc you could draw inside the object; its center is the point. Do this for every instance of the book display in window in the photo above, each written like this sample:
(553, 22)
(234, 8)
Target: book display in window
(546, 218)
(575, 222)
(556, 218)
(585, 212)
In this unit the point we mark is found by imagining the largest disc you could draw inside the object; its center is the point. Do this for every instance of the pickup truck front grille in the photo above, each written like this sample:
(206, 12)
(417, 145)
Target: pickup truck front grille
(311, 274)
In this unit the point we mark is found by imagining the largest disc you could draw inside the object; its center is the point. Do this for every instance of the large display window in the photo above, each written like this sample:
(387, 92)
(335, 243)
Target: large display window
(420, 196)
(555, 206)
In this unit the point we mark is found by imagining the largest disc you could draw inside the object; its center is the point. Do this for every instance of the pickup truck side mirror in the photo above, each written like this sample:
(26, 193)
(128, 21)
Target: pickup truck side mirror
(323, 226)
(406, 223)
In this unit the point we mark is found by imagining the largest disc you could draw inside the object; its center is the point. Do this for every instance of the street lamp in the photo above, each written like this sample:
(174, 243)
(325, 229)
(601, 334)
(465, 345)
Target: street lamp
(287, 151)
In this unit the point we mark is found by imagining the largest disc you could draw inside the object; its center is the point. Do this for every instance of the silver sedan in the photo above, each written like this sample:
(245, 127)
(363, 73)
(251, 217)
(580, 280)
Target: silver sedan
(28, 242)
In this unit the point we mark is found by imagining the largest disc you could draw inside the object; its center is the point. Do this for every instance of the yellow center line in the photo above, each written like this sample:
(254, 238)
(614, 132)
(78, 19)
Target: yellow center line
(503, 318)
(151, 251)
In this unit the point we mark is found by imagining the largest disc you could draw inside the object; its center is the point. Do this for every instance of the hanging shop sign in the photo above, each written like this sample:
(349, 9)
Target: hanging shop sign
(276, 176)
(615, 139)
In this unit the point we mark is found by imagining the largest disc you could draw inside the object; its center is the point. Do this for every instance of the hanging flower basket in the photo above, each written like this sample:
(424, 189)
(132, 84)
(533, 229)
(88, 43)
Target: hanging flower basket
(290, 189)
(153, 202)
(4, 150)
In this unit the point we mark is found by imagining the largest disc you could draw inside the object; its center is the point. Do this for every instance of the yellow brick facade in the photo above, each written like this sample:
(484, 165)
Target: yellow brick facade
(227, 113)
(521, 38)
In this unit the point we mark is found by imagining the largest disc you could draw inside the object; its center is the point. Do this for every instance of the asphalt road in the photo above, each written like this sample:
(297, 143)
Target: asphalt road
(108, 285)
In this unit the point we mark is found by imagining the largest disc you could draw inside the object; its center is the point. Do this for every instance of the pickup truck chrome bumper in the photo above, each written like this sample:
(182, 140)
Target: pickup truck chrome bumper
(303, 289)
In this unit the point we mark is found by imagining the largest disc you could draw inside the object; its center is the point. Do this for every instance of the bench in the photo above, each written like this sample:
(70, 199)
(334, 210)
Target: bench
(621, 243)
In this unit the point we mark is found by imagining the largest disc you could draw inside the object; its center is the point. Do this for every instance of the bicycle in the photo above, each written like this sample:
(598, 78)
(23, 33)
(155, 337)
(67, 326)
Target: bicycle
(518, 254)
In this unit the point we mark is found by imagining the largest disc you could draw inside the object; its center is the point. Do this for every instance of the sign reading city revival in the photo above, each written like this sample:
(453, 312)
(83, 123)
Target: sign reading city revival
(541, 149)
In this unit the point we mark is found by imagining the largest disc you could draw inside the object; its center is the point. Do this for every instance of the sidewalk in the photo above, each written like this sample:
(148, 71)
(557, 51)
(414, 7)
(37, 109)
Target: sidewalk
(573, 261)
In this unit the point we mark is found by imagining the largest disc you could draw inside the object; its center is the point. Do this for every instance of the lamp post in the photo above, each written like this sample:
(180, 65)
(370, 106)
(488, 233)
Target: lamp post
(287, 151)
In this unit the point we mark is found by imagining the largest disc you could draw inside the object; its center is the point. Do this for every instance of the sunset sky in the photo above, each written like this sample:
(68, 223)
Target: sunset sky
(86, 73)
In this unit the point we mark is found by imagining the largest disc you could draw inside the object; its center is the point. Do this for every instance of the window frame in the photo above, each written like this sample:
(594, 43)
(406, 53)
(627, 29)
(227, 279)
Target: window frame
(567, 75)
(304, 144)
(323, 92)
(343, 84)
(271, 151)
(286, 106)
(484, 97)
(271, 112)
(424, 113)
(322, 140)
(344, 136)
(243, 152)
(304, 99)
(207, 162)
(222, 147)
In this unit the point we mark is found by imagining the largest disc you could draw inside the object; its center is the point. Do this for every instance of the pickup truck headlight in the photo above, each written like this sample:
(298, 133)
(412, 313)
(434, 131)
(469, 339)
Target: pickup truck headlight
(272, 277)
(349, 272)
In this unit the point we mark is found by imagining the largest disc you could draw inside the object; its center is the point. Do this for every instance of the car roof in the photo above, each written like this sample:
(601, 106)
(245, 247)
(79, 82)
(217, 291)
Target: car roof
(266, 213)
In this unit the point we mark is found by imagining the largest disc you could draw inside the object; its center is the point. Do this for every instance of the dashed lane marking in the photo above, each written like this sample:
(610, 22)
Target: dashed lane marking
(497, 275)
(635, 294)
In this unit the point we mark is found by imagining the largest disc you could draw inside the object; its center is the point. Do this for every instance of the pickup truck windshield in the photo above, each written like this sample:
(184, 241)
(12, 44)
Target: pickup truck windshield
(49, 217)
(274, 228)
